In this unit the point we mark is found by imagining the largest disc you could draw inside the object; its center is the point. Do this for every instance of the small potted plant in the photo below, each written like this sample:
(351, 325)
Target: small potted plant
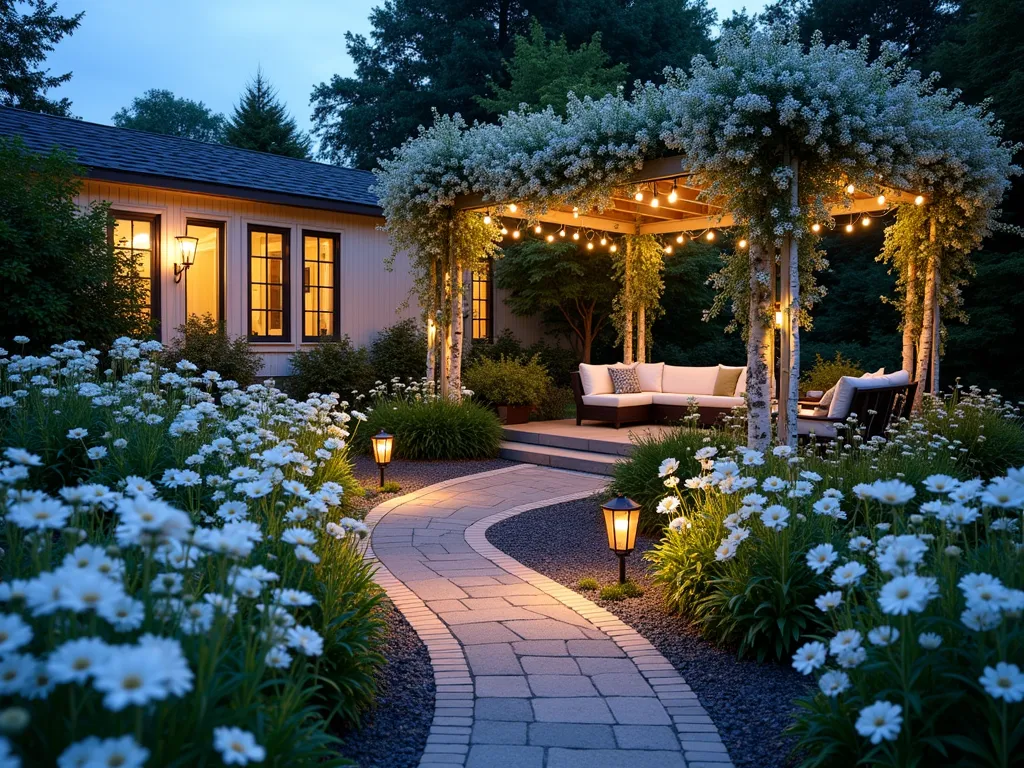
(513, 386)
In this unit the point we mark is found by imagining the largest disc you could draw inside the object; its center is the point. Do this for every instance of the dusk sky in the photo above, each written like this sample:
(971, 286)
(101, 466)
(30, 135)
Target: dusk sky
(207, 49)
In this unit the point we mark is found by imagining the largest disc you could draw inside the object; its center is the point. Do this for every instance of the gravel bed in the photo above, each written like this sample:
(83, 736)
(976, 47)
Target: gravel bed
(750, 703)
(394, 733)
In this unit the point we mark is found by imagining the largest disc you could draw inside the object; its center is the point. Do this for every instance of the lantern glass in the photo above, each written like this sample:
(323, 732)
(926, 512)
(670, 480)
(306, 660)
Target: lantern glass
(187, 247)
(382, 443)
(621, 517)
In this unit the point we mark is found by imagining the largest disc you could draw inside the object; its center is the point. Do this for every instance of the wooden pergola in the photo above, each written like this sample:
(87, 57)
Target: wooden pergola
(682, 208)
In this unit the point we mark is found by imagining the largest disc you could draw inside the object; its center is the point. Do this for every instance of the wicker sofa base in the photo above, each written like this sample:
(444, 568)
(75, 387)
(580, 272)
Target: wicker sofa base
(639, 414)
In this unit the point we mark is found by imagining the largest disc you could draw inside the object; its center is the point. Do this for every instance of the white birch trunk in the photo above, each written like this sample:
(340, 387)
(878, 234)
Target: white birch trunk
(792, 394)
(431, 346)
(627, 303)
(759, 345)
(455, 368)
(924, 346)
(641, 335)
(937, 330)
(909, 308)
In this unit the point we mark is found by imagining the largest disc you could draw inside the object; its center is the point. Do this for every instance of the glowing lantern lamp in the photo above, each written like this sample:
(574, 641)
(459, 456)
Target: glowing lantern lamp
(382, 443)
(621, 516)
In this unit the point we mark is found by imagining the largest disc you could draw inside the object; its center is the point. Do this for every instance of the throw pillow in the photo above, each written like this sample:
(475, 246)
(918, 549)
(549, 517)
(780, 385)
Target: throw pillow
(821, 408)
(726, 380)
(624, 380)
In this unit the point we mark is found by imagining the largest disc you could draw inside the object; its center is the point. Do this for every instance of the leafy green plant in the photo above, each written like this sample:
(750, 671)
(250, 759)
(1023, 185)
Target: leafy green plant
(435, 429)
(555, 404)
(612, 593)
(824, 374)
(587, 584)
(399, 351)
(390, 486)
(203, 342)
(508, 381)
(330, 366)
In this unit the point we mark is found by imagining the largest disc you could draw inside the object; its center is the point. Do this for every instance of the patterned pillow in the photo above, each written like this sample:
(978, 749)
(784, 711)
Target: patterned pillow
(624, 380)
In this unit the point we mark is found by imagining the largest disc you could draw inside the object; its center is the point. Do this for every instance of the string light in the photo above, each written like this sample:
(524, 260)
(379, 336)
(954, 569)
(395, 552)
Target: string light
(668, 249)
(551, 238)
(515, 234)
(537, 230)
(815, 227)
(865, 220)
(710, 236)
(504, 231)
(919, 200)
(604, 241)
(512, 207)
(576, 235)
(639, 196)
(575, 212)
(743, 243)
(487, 218)
(561, 232)
(881, 199)
(654, 202)
(673, 195)
(680, 239)
(590, 246)
(849, 227)
(614, 248)
(850, 189)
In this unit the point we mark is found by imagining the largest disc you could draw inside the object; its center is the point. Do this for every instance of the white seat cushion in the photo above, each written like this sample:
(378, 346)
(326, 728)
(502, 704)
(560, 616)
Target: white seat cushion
(618, 401)
(650, 375)
(684, 380)
(847, 387)
(704, 401)
(595, 379)
(821, 429)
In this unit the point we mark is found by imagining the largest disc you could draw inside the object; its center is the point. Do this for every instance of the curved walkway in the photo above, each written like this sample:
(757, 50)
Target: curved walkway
(529, 674)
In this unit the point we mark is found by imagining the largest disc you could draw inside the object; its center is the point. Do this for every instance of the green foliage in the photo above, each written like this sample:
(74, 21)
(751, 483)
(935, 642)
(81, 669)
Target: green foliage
(28, 32)
(400, 350)
(558, 361)
(617, 592)
(261, 122)
(641, 266)
(587, 584)
(508, 381)
(555, 404)
(204, 342)
(60, 277)
(541, 73)
(160, 111)
(435, 429)
(390, 486)
(330, 366)
(825, 374)
(571, 289)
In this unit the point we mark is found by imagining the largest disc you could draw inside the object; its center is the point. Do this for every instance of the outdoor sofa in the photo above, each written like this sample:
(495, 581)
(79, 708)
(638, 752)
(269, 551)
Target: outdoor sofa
(877, 399)
(666, 393)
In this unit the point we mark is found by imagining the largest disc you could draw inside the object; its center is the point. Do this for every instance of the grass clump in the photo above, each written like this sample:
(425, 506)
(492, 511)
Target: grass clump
(617, 592)
(587, 584)
(390, 486)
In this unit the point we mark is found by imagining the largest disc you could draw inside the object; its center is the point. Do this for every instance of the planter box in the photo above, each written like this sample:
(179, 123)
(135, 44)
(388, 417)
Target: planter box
(514, 414)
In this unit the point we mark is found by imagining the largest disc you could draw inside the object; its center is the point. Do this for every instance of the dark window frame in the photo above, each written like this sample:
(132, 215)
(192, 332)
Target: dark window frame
(221, 293)
(336, 271)
(155, 304)
(488, 299)
(286, 290)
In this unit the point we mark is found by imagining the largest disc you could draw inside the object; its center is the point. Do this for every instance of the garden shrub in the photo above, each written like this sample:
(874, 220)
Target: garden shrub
(399, 352)
(332, 365)
(205, 343)
(60, 276)
(507, 381)
(825, 374)
(193, 583)
(507, 344)
(432, 429)
(555, 404)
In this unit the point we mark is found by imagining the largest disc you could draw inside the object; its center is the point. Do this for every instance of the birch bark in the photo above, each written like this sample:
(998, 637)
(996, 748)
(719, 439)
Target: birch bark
(627, 305)
(455, 368)
(924, 346)
(909, 308)
(641, 335)
(759, 343)
(432, 329)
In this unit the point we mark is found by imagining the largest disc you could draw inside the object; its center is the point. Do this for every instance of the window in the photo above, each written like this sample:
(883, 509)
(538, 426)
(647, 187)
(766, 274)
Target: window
(206, 275)
(136, 236)
(268, 284)
(483, 321)
(319, 285)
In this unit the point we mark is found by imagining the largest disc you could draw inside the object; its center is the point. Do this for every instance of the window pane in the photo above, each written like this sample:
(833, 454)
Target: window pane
(318, 298)
(141, 234)
(326, 249)
(275, 270)
(122, 232)
(326, 324)
(326, 300)
(259, 243)
(204, 289)
(259, 327)
(275, 244)
(327, 275)
(142, 262)
(276, 328)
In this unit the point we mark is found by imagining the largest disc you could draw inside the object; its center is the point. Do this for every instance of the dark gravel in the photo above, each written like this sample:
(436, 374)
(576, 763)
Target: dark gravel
(750, 703)
(394, 734)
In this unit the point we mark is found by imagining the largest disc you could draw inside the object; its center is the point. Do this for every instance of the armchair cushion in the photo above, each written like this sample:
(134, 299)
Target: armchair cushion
(618, 401)
(848, 386)
(686, 380)
(595, 380)
(726, 381)
(650, 375)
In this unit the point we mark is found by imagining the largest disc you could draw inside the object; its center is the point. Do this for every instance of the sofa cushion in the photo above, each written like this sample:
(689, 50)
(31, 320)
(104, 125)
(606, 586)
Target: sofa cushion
(618, 401)
(684, 380)
(741, 385)
(726, 381)
(624, 380)
(703, 401)
(820, 429)
(595, 379)
(650, 375)
(847, 387)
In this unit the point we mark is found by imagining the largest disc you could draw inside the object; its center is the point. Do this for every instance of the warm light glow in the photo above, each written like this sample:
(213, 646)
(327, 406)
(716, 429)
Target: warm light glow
(850, 189)
(504, 231)
(654, 202)
(621, 516)
(575, 235)
(141, 240)
(515, 234)
(815, 227)
(512, 207)
(710, 236)
(680, 239)
(575, 212)
(849, 227)
(743, 243)
(639, 196)
(614, 248)
(590, 246)
(919, 200)
(187, 247)
(382, 443)
(621, 525)
(487, 218)
(881, 199)
(668, 249)
(537, 230)
(604, 241)
(561, 232)
(551, 238)
(673, 195)
(866, 221)
(778, 318)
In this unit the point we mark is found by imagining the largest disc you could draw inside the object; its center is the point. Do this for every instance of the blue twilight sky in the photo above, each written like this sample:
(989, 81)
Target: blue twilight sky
(207, 49)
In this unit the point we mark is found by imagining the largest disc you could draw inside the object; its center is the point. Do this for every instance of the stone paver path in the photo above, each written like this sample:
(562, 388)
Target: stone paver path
(529, 674)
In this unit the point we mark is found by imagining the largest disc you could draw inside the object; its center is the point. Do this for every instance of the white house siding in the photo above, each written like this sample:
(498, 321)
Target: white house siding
(371, 297)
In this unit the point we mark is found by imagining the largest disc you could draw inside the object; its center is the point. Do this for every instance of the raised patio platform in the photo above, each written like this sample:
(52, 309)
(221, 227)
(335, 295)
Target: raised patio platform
(562, 444)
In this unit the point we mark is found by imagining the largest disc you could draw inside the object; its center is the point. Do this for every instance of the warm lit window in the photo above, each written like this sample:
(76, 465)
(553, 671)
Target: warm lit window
(268, 284)
(205, 276)
(483, 322)
(136, 236)
(319, 285)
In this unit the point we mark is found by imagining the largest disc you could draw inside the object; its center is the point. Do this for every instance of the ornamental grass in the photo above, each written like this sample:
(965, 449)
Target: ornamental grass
(180, 583)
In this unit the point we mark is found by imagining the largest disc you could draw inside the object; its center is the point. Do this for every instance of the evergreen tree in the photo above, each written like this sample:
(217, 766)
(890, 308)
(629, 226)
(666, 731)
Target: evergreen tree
(261, 122)
(25, 39)
(542, 73)
(160, 111)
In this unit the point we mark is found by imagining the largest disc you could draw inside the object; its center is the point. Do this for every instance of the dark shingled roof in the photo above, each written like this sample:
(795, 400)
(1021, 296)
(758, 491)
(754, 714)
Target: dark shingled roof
(129, 156)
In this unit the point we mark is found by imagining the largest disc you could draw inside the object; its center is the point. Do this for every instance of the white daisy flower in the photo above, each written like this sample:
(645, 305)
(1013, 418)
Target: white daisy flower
(880, 722)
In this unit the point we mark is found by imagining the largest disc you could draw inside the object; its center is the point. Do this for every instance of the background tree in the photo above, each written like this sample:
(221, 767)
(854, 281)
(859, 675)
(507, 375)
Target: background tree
(569, 288)
(160, 111)
(261, 122)
(541, 73)
(25, 39)
(60, 277)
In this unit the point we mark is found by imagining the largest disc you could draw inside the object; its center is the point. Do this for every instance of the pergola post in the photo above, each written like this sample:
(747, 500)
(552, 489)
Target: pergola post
(910, 300)
(432, 326)
(759, 350)
(641, 335)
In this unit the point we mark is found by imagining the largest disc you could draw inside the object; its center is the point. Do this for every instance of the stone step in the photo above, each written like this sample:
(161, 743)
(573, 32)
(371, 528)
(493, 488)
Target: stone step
(585, 444)
(560, 458)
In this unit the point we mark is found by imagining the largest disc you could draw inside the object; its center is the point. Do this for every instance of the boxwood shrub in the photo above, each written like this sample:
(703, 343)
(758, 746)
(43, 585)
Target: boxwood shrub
(434, 429)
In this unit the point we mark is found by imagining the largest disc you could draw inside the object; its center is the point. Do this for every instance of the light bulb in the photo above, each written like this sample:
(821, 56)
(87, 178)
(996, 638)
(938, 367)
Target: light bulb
(654, 202)
(673, 195)
(561, 232)
(504, 231)
(919, 200)
(639, 196)
(743, 243)
(881, 199)
(710, 236)
(849, 227)
(614, 248)
(590, 246)
(815, 227)
(512, 207)
(850, 189)
(551, 238)
(537, 230)
(575, 212)
(515, 234)
(487, 218)
(604, 241)
(680, 239)
(866, 221)
(575, 235)
(668, 249)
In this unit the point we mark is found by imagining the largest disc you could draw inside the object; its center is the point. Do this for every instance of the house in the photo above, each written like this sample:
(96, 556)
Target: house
(288, 250)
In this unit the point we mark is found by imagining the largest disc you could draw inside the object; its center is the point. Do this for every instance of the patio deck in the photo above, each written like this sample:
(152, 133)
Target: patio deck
(587, 448)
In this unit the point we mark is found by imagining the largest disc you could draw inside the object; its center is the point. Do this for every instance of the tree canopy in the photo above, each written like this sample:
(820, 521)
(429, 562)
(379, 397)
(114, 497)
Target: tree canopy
(160, 111)
(261, 122)
(25, 39)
